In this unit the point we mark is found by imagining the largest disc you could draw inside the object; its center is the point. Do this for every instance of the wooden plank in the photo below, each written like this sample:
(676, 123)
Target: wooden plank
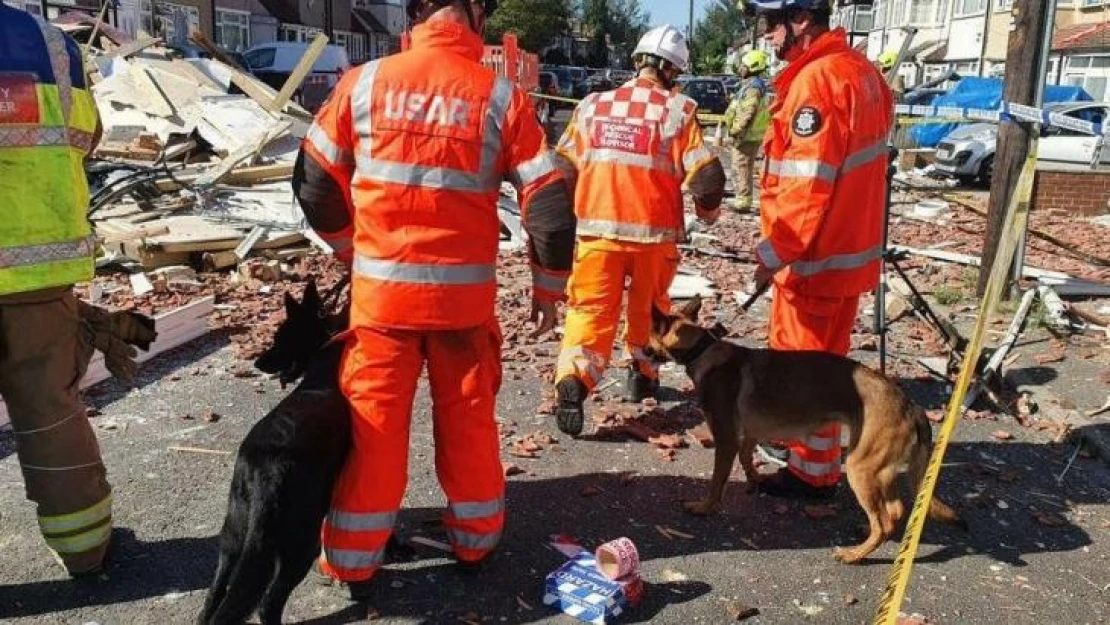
(242, 175)
(175, 328)
(216, 174)
(134, 47)
(300, 71)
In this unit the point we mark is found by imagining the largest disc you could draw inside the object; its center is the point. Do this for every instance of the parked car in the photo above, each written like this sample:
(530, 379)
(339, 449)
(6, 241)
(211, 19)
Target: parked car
(709, 93)
(967, 153)
(273, 63)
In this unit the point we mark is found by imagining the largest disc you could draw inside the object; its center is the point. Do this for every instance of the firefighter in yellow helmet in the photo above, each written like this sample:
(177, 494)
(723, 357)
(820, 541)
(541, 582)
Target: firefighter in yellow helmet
(886, 62)
(746, 122)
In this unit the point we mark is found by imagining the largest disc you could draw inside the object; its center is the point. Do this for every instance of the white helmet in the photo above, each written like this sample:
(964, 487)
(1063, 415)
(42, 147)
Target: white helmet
(665, 42)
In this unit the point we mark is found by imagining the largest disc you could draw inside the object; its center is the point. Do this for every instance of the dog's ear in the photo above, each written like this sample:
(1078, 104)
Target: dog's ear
(291, 305)
(311, 299)
(692, 308)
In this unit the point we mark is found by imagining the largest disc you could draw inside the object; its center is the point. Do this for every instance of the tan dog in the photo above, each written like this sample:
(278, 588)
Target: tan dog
(752, 395)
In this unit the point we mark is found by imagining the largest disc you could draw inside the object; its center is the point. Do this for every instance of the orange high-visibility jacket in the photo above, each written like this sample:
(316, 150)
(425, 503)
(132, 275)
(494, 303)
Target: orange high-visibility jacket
(405, 161)
(633, 147)
(824, 177)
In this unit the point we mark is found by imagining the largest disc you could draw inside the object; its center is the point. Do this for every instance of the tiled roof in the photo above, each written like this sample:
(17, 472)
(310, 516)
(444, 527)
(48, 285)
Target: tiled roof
(1082, 37)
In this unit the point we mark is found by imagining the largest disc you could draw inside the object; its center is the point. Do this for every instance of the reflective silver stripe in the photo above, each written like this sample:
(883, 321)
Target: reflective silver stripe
(695, 157)
(23, 255)
(59, 62)
(361, 521)
(837, 262)
(802, 169)
(362, 97)
(864, 156)
(815, 469)
(477, 509)
(468, 540)
(532, 170)
(821, 443)
(636, 232)
(626, 158)
(418, 175)
(486, 180)
(548, 282)
(326, 147)
(45, 136)
(62, 523)
(415, 273)
(766, 253)
(352, 559)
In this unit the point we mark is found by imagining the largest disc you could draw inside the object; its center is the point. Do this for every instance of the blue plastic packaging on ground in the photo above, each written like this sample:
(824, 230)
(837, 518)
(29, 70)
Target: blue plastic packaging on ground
(577, 588)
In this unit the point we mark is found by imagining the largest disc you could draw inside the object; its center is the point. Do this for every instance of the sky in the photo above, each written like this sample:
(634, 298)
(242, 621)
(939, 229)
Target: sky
(674, 12)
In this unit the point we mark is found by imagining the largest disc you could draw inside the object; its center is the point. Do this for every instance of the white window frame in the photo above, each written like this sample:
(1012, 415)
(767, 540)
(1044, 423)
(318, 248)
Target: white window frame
(1003, 5)
(242, 21)
(958, 12)
(904, 10)
(1087, 4)
(880, 10)
(297, 32)
(165, 26)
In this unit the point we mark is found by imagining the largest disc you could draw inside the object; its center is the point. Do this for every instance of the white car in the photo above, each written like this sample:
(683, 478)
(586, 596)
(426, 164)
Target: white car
(273, 62)
(967, 153)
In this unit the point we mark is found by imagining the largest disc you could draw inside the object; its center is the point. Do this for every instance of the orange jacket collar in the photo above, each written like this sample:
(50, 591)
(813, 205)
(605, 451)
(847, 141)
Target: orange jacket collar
(827, 43)
(450, 36)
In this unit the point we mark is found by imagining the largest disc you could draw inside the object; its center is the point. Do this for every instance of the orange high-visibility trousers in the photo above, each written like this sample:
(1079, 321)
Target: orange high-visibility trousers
(801, 322)
(595, 290)
(379, 376)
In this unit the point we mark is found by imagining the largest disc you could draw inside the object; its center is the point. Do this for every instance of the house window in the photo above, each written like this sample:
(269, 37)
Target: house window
(296, 33)
(173, 22)
(864, 19)
(1003, 5)
(967, 68)
(880, 14)
(965, 8)
(1089, 72)
(233, 29)
(1094, 3)
(146, 17)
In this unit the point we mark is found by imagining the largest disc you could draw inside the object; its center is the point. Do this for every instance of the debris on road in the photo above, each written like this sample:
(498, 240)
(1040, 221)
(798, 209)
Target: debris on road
(739, 611)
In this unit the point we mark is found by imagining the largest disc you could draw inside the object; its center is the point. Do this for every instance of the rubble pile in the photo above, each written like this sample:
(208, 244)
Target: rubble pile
(194, 164)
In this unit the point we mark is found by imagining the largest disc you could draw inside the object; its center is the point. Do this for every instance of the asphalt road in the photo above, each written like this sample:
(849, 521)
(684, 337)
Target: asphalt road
(1010, 568)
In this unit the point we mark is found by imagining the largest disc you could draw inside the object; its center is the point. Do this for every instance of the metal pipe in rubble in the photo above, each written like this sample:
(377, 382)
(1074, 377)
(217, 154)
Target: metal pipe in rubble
(1038, 101)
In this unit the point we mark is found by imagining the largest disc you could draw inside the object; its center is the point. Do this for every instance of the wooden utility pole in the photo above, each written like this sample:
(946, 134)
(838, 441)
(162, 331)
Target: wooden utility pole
(1023, 72)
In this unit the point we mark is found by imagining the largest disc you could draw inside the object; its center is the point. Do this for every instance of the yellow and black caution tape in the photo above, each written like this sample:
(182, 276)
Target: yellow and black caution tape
(1017, 214)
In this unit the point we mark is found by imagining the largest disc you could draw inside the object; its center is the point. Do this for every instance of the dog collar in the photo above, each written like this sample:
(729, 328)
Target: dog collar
(699, 348)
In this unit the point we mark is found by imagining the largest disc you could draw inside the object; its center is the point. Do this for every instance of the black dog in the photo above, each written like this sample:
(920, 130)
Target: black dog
(284, 473)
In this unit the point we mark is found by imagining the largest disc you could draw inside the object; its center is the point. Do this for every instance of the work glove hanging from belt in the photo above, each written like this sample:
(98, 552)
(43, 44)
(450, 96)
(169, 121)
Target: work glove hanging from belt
(116, 334)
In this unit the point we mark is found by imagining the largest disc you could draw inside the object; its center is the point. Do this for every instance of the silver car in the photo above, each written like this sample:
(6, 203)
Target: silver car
(967, 153)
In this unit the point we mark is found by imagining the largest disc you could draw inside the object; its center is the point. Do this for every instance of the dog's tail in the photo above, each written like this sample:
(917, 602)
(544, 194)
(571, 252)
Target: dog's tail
(251, 572)
(919, 462)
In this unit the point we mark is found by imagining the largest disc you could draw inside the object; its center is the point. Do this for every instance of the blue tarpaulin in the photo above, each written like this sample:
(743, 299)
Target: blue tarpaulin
(983, 93)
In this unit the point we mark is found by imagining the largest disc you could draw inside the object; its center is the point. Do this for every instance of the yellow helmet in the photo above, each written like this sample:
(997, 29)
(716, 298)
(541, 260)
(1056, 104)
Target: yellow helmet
(755, 60)
(888, 59)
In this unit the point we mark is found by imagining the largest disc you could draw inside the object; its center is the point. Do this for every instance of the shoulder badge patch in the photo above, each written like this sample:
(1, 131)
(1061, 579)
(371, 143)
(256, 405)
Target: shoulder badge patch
(807, 121)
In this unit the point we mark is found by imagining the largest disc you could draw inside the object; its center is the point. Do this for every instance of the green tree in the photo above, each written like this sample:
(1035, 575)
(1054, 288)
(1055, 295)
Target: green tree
(614, 27)
(536, 23)
(722, 24)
